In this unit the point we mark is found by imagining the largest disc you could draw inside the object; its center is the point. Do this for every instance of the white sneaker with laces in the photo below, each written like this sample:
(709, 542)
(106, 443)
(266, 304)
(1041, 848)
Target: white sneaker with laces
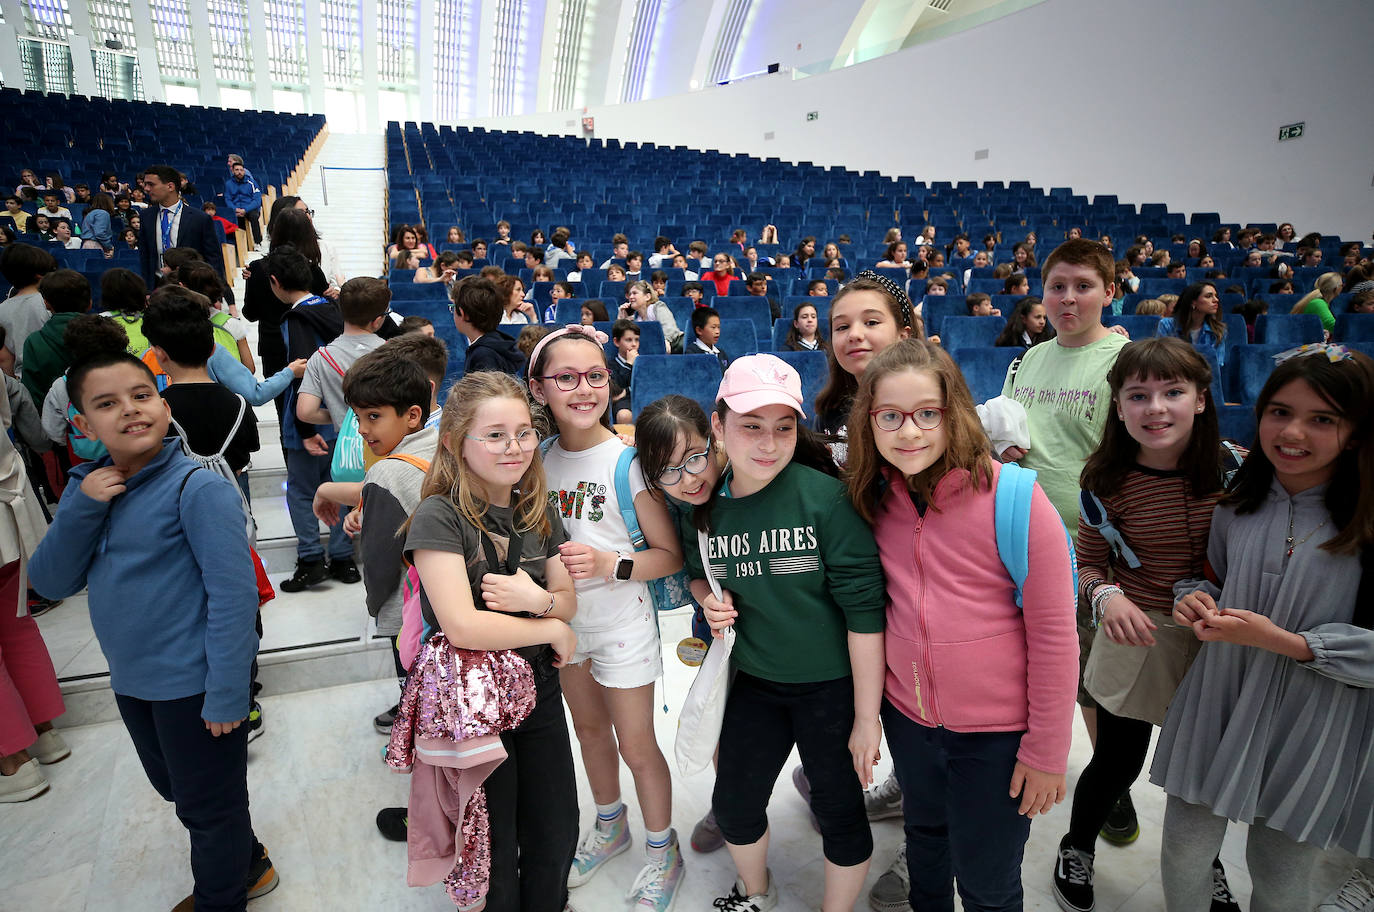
(738, 901)
(599, 846)
(1355, 895)
(655, 889)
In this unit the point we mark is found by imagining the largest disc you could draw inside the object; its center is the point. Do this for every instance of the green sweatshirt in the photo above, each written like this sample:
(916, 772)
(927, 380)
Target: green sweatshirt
(804, 571)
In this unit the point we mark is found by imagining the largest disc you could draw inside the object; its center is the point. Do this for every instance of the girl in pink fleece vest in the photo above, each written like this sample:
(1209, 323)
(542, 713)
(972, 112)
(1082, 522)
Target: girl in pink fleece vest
(979, 694)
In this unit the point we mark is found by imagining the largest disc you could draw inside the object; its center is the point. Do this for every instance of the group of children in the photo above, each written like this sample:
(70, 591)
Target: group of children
(888, 577)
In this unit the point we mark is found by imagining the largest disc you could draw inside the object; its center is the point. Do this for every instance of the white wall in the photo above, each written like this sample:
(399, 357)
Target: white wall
(1174, 101)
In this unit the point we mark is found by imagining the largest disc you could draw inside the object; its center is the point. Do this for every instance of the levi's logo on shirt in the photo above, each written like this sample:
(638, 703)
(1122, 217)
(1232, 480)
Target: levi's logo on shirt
(588, 496)
(790, 550)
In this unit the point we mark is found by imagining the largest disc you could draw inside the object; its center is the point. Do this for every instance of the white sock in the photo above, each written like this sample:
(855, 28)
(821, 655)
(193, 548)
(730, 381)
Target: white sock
(605, 813)
(657, 840)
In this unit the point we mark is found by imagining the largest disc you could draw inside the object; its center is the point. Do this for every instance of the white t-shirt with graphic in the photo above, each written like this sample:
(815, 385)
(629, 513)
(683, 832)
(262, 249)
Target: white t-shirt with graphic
(582, 489)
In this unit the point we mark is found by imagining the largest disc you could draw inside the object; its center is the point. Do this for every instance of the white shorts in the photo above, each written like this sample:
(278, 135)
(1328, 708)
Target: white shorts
(627, 656)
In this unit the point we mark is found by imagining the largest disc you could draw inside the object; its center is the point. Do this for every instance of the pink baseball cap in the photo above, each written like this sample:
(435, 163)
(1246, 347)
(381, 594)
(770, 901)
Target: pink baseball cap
(753, 381)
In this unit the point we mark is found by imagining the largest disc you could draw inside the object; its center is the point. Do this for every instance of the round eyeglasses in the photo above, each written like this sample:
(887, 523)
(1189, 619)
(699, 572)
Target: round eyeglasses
(694, 464)
(569, 380)
(498, 442)
(890, 419)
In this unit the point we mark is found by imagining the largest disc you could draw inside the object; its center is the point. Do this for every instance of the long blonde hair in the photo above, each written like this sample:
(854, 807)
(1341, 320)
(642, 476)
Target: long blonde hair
(449, 475)
(1328, 285)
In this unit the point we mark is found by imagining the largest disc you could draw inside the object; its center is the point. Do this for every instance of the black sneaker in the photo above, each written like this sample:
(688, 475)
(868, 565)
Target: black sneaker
(308, 573)
(1073, 879)
(254, 722)
(393, 823)
(262, 877)
(384, 722)
(1223, 900)
(344, 570)
(39, 606)
(1122, 828)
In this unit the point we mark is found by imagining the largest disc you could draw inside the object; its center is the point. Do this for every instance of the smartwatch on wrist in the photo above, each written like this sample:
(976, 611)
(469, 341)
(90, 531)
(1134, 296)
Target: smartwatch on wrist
(624, 565)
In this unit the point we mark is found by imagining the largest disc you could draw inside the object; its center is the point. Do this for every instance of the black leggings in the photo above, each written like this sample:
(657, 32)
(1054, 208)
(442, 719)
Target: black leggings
(1117, 760)
(763, 720)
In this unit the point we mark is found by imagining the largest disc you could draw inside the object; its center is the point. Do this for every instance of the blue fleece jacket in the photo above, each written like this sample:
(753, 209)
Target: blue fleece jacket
(172, 591)
(242, 194)
(229, 372)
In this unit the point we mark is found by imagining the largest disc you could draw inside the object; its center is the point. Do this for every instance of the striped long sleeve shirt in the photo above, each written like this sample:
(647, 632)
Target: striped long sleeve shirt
(1165, 524)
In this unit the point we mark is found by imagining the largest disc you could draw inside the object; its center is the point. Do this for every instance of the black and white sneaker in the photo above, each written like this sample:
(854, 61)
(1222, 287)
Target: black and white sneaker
(254, 722)
(384, 722)
(739, 901)
(308, 573)
(1073, 879)
(1223, 900)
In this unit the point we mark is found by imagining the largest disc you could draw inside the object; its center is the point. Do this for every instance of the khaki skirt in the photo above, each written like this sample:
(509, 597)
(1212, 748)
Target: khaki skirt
(1138, 682)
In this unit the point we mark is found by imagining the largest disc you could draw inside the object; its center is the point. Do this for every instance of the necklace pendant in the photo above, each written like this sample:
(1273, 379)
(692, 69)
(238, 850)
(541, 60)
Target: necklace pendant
(1290, 550)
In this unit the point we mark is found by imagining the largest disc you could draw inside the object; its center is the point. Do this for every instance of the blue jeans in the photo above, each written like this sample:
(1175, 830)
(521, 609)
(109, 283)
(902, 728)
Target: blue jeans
(304, 474)
(960, 823)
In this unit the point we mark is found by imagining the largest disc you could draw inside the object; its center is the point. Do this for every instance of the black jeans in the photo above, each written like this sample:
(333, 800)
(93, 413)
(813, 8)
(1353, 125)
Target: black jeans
(763, 720)
(532, 805)
(1117, 759)
(207, 778)
(960, 821)
(252, 219)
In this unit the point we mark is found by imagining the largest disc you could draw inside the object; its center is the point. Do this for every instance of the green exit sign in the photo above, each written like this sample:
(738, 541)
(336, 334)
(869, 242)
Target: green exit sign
(813, 115)
(1291, 131)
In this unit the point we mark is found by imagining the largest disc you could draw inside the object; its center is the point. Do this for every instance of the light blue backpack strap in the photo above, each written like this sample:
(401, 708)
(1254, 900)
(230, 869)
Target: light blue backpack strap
(625, 500)
(1094, 515)
(1012, 519)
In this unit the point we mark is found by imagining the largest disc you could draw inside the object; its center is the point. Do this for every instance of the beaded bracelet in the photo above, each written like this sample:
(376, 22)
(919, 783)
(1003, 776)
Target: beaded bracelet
(1101, 596)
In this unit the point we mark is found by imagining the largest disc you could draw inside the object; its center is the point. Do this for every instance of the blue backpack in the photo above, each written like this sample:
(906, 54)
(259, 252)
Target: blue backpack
(1015, 486)
(667, 592)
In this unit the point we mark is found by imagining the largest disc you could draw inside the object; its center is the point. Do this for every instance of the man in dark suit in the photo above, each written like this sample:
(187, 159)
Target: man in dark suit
(169, 222)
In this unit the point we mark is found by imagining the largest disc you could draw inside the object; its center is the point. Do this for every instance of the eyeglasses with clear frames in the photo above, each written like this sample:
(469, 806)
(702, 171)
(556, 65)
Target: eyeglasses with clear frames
(498, 442)
(927, 418)
(694, 464)
(570, 380)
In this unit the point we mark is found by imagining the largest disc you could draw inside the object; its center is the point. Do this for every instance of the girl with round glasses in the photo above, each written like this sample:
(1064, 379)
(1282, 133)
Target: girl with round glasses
(673, 436)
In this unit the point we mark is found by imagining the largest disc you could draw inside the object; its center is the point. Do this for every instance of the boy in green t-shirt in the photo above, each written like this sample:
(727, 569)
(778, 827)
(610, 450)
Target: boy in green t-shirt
(1063, 386)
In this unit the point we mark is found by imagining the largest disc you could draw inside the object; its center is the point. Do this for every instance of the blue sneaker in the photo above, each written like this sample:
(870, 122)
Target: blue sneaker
(656, 886)
(605, 840)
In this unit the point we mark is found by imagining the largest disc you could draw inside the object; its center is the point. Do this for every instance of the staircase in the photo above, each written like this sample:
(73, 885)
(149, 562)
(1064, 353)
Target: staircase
(353, 221)
(310, 639)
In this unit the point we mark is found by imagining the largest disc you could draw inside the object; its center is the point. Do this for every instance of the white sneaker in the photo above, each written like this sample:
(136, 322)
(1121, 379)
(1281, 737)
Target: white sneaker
(738, 901)
(1355, 895)
(27, 782)
(884, 800)
(50, 748)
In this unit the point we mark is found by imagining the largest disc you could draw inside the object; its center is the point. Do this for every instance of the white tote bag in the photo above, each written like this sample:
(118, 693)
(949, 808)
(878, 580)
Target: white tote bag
(698, 727)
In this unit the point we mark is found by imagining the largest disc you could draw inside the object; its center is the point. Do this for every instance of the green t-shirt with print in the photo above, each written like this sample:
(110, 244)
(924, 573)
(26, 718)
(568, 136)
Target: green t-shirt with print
(1067, 400)
(803, 569)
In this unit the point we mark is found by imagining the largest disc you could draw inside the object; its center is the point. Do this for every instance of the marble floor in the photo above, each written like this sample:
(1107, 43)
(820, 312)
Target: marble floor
(101, 840)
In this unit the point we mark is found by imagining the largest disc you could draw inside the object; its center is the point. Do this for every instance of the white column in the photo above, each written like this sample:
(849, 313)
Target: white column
(547, 51)
(205, 57)
(11, 63)
(314, 57)
(149, 68)
(367, 31)
(424, 65)
(486, 52)
(710, 31)
(257, 38)
(79, 42)
(620, 48)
